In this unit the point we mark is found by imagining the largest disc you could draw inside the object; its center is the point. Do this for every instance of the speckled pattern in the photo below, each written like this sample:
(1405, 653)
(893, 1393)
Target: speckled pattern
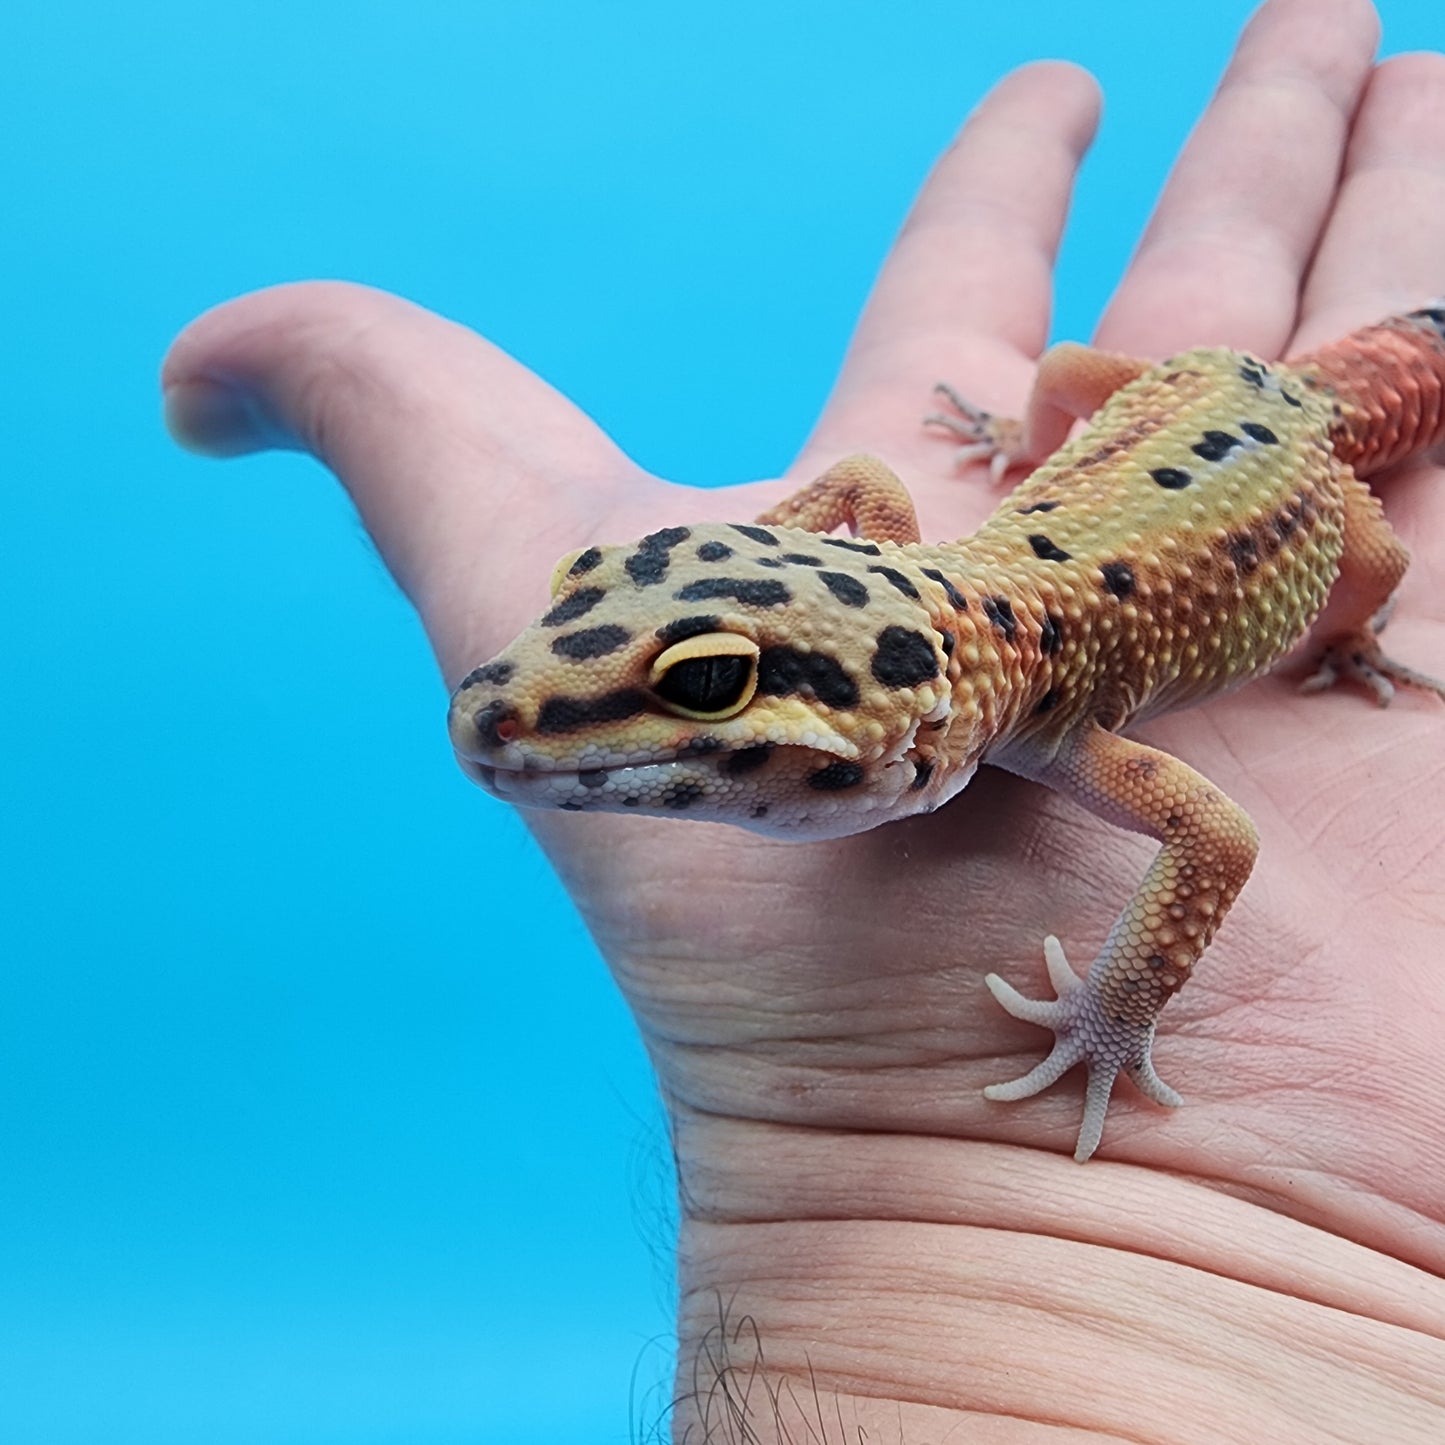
(810, 686)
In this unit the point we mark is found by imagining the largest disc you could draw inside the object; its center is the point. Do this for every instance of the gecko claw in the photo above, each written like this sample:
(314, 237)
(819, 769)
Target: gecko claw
(1084, 1033)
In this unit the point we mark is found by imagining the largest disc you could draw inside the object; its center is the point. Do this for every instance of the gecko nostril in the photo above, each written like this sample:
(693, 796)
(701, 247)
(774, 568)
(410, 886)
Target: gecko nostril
(496, 724)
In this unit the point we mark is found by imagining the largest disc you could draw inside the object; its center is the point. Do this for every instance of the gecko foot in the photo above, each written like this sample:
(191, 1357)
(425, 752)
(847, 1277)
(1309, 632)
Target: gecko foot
(1084, 1034)
(1358, 659)
(984, 437)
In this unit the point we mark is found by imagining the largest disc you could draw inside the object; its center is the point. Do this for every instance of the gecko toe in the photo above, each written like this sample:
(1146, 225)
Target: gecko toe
(984, 437)
(1148, 1083)
(1359, 659)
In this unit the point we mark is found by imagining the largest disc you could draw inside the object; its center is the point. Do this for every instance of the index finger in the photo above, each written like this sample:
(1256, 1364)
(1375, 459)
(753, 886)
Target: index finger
(965, 292)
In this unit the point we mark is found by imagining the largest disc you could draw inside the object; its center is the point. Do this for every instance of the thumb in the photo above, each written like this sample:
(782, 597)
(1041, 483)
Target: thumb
(469, 472)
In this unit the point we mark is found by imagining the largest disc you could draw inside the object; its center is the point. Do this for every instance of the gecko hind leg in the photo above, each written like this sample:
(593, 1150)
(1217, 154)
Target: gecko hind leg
(1368, 666)
(1373, 562)
(1084, 1033)
(1359, 658)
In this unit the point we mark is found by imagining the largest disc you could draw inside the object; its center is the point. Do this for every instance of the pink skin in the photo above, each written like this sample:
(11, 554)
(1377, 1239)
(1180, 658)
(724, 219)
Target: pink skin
(816, 1011)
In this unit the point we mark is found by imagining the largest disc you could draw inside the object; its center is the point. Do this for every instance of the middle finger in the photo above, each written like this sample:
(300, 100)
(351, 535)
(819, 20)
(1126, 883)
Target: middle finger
(1221, 261)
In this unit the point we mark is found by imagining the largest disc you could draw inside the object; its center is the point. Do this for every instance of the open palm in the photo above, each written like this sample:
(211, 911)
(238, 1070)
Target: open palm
(816, 1011)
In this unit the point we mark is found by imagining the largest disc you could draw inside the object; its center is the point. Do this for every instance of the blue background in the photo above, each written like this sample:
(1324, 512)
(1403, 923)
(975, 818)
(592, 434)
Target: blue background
(279, 1160)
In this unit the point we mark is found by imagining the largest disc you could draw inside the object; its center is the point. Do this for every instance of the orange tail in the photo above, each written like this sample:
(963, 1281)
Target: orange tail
(1389, 382)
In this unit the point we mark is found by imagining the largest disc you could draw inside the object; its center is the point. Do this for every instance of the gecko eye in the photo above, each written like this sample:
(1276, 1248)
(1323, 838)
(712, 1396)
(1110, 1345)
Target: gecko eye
(709, 677)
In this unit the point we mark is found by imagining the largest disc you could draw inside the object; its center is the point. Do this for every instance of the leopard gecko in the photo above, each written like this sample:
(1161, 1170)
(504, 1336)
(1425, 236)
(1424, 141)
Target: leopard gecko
(806, 685)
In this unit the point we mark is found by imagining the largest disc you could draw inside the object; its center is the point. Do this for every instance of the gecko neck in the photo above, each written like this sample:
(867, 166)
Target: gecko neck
(1009, 636)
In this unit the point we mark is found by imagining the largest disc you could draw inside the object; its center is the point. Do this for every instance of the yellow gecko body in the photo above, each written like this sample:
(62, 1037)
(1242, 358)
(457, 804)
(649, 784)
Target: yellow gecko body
(770, 675)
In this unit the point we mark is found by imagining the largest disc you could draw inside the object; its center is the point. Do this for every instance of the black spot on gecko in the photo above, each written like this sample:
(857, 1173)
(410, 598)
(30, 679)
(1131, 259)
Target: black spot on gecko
(570, 807)
(579, 604)
(747, 760)
(848, 590)
(714, 552)
(1173, 479)
(648, 565)
(896, 578)
(1037, 507)
(498, 674)
(768, 562)
(922, 772)
(760, 810)
(1215, 446)
(903, 658)
(591, 642)
(954, 595)
(1046, 551)
(751, 594)
(999, 611)
(1118, 578)
(681, 628)
(592, 777)
(801, 559)
(1244, 552)
(836, 776)
(682, 795)
(948, 643)
(585, 562)
(631, 801)
(1292, 400)
(566, 714)
(1048, 701)
(756, 534)
(1286, 522)
(785, 671)
(1051, 635)
(866, 548)
(1255, 432)
(1253, 372)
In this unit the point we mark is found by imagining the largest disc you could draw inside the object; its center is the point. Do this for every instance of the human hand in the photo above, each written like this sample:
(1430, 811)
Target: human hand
(816, 1012)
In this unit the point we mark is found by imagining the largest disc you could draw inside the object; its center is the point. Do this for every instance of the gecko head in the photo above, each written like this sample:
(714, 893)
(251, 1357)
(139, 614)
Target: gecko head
(771, 677)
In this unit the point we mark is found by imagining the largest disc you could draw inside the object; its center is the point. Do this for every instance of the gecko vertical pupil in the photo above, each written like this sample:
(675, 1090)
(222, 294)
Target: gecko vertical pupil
(705, 684)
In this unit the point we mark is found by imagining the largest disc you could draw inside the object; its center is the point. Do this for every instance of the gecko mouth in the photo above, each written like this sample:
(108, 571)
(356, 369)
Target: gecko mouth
(510, 783)
(701, 774)
(514, 783)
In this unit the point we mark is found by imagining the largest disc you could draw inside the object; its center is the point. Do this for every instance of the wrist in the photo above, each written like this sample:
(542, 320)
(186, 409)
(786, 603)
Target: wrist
(901, 1285)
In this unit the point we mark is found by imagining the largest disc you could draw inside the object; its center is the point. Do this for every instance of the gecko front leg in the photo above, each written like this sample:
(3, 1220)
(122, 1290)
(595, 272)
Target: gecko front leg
(859, 491)
(1072, 381)
(1106, 1020)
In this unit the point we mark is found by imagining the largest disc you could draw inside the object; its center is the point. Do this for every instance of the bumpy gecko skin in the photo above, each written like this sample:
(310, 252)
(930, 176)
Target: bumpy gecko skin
(810, 686)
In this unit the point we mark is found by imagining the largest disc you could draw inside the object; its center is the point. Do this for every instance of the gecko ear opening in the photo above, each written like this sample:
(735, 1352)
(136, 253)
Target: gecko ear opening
(709, 677)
